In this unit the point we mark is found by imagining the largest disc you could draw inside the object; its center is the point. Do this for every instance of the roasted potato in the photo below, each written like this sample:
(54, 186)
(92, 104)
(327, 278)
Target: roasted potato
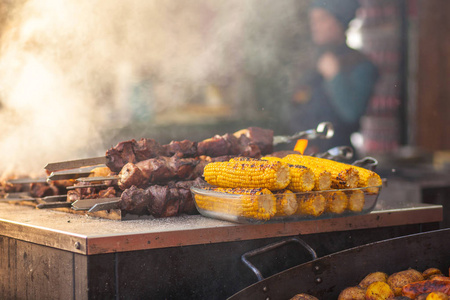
(431, 272)
(398, 280)
(303, 297)
(437, 296)
(379, 291)
(352, 293)
(373, 277)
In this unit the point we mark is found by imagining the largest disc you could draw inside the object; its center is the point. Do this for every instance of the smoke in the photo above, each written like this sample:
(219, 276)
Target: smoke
(67, 66)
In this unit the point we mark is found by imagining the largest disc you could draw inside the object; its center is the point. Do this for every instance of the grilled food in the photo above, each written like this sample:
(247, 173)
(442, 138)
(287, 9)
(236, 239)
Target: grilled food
(286, 203)
(353, 293)
(302, 178)
(406, 284)
(251, 142)
(322, 177)
(379, 291)
(368, 178)
(431, 272)
(159, 200)
(248, 174)
(373, 277)
(398, 280)
(356, 200)
(337, 202)
(312, 204)
(258, 203)
(437, 296)
(414, 289)
(342, 175)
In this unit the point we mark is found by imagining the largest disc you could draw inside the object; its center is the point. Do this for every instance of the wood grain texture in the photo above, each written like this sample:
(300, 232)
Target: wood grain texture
(433, 88)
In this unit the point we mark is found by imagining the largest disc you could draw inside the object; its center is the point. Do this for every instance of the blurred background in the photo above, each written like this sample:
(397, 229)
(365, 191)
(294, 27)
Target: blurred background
(77, 77)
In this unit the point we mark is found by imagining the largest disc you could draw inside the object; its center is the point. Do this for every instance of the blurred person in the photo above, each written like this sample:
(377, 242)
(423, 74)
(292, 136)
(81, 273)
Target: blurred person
(341, 83)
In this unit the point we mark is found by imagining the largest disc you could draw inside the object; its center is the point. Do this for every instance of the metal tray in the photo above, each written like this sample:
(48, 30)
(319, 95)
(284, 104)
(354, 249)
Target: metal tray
(313, 205)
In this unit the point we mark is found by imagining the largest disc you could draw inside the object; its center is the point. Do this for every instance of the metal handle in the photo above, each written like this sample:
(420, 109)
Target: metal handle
(324, 130)
(367, 162)
(337, 153)
(269, 247)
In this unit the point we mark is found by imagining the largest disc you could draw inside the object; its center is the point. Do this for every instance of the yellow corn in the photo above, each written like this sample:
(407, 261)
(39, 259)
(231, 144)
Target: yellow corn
(253, 203)
(337, 202)
(286, 203)
(302, 178)
(368, 178)
(313, 204)
(248, 174)
(342, 175)
(356, 200)
(322, 178)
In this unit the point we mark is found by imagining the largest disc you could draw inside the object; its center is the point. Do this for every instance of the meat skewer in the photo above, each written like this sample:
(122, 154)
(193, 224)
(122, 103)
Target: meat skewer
(252, 142)
(160, 200)
(163, 169)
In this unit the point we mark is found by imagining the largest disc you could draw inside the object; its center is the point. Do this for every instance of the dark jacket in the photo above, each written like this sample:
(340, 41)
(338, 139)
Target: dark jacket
(342, 100)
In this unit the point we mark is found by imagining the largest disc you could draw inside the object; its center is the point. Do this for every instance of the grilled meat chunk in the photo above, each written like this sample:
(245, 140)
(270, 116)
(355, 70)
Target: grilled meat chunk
(157, 170)
(40, 190)
(159, 200)
(148, 148)
(251, 142)
(183, 148)
(121, 154)
(91, 192)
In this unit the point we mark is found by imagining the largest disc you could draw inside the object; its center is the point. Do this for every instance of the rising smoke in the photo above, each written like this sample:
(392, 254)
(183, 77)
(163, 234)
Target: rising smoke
(66, 65)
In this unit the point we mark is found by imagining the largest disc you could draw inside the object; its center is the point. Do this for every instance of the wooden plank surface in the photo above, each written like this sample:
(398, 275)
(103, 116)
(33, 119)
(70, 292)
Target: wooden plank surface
(30, 271)
(433, 90)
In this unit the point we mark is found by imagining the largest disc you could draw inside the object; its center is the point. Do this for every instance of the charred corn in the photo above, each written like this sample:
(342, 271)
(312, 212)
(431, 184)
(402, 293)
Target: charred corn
(356, 200)
(273, 175)
(251, 203)
(303, 179)
(368, 178)
(337, 202)
(342, 175)
(313, 204)
(286, 203)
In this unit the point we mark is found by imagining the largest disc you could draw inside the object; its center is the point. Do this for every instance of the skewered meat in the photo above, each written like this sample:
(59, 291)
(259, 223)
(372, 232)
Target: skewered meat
(252, 142)
(121, 154)
(184, 148)
(148, 148)
(156, 170)
(40, 190)
(262, 138)
(163, 169)
(159, 201)
(91, 192)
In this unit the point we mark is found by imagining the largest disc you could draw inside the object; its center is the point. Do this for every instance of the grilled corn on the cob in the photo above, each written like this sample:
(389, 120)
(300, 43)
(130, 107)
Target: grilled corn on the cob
(337, 202)
(286, 203)
(303, 178)
(356, 200)
(273, 175)
(256, 203)
(313, 204)
(368, 178)
(343, 175)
